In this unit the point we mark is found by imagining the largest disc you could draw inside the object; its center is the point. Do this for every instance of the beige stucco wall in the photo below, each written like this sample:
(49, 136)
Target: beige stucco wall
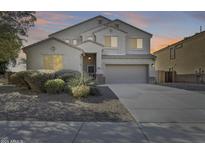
(90, 32)
(76, 31)
(189, 58)
(71, 57)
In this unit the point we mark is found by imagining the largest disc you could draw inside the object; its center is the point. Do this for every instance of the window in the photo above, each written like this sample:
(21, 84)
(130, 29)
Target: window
(90, 38)
(53, 62)
(135, 43)
(67, 41)
(172, 53)
(75, 42)
(91, 69)
(111, 41)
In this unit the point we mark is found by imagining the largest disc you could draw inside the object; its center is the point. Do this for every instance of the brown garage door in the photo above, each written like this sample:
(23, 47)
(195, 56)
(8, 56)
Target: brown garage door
(126, 73)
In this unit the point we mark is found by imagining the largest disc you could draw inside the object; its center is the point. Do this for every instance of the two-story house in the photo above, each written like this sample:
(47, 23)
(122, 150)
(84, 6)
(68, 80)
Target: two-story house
(183, 61)
(110, 50)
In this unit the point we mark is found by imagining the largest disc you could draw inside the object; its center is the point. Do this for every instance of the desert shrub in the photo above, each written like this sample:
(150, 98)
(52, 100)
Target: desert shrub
(66, 75)
(80, 91)
(36, 80)
(19, 78)
(75, 81)
(54, 86)
(79, 80)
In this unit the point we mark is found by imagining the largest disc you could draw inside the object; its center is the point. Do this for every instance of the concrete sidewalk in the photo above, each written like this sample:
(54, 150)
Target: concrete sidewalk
(55, 132)
(99, 132)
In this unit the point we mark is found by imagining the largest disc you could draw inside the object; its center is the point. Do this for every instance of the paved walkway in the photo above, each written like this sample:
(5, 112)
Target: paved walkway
(70, 132)
(99, 132)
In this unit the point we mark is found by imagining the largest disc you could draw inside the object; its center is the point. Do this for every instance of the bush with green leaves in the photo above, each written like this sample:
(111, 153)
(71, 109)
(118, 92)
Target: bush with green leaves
(33, 80)
(54, 86)
(80, 91)
(36, 80)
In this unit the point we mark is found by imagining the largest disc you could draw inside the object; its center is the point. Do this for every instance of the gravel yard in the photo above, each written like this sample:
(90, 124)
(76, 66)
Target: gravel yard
(16, 104)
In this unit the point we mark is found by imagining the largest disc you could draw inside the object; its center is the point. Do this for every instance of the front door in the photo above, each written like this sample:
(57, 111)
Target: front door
(89, 62)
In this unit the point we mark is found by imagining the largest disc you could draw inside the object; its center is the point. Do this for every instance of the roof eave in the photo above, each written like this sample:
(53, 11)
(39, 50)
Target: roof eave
(133, 26)
(51, 38)
(99, 16)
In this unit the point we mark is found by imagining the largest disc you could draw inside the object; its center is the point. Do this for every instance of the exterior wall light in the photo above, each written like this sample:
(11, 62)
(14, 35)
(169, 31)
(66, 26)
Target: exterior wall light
(89, 58)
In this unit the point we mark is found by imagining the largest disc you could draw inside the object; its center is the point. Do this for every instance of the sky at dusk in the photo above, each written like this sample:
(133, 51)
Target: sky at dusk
(166, 27)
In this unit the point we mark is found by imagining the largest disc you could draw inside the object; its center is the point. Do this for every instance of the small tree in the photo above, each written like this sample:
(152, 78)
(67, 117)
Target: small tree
(14, 26)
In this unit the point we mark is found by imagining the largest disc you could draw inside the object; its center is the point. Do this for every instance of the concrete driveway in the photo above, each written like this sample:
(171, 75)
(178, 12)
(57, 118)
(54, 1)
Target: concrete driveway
(165, 114)
(153, 103)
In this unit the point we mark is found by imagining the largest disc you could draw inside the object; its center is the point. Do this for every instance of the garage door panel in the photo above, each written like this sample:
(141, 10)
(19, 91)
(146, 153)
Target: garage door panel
(126, 73)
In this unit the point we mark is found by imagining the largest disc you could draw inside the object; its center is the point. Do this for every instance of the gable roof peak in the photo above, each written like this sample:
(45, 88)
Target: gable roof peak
(131, 26)
(99, 16)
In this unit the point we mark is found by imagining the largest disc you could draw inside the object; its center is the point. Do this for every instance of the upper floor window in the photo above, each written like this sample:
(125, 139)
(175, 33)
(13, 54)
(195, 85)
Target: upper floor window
(111, 41)
(172, 53)
(67, 41)
(135, 43)
(75, 42)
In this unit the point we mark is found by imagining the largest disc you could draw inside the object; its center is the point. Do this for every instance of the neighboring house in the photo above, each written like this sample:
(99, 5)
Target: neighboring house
(183, 61)
(110, 51)
(19, 65)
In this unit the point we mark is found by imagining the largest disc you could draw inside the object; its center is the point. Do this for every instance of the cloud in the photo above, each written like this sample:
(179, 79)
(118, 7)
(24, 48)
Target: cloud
(41, 21)
(35, 35)
(135, 19)
(159, 42)
(52, 18)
